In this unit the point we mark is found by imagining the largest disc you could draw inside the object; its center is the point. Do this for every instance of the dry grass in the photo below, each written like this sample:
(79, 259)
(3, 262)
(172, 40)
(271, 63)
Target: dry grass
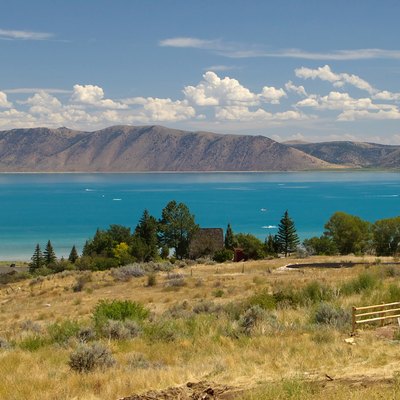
(278, 362)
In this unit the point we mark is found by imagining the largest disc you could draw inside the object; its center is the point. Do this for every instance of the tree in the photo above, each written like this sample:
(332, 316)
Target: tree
(121, 253)
(176, 228)
(37, 260)
(230, 241)
(349, 233)
(322, 245)
(73, 255)
(271, 246)
(287, 238)
(146, 231)
(49, 255)
(386, 236)
(253, 247)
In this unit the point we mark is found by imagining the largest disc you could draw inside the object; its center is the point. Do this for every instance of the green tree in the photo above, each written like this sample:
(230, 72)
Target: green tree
(37, 260)
(230, 241)
(287, 238)
(100, 245)
(176, 228)
(146, 230)
(349, 233)
(73, 255)
(386, 236)
(271, 246)
(322, 245)
(121, 253)
(49, 255)
(253, 247)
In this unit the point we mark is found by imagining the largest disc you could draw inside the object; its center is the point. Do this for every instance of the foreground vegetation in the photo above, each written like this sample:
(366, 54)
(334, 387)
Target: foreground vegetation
(268, 331)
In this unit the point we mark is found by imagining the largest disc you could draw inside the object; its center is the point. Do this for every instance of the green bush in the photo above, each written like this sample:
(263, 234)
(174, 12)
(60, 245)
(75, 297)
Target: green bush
(364, 282)
(118, 310)
(151, 280)
(223, 255)
(162, 331)
(251, 318)
(120, 330)
(315, 292)
(263, 299)
(88, 358)
(60, 333)
(33, 343)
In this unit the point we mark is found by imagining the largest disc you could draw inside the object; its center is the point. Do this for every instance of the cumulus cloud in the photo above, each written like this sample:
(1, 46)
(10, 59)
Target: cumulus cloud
(272, 95)
(385, 95)
(94, 95)
(291, 87)
(352, 115)
(24, 35)
(167, 110)
(43, 102)
(242, 113)
(214, 91)
(342, 101)
(326, 74)
(4, 103)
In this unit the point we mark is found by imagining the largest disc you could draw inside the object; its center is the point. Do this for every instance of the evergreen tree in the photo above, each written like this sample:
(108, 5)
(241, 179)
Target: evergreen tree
(37, 260)
(271, 247)
(73, 255)
(49, 255)
(230, 241)
(146, 231)
(287, 238)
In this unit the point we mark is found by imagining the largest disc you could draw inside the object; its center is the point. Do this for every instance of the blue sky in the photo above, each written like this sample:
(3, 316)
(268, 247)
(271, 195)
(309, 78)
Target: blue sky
(307, 70)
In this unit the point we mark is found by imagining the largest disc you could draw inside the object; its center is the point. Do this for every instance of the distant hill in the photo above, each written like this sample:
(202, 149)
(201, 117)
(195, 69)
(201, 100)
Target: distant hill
(146, 148)
(354, 154)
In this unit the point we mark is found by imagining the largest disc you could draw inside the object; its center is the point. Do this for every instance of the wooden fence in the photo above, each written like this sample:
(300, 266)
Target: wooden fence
(380, 312)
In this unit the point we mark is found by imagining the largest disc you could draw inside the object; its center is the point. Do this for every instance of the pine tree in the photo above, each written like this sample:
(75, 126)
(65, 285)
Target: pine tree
(73, 255)
(49, 255)
(37, 260)
(286, 237)
(146, 231)
(230, 241)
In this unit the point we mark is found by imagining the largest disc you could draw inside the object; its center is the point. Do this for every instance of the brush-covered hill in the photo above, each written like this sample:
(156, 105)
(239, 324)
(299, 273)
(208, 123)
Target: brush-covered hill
(353, 154)
(146, 148)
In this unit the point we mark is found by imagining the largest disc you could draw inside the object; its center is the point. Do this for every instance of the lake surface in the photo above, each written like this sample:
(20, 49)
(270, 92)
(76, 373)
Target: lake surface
(68, 208)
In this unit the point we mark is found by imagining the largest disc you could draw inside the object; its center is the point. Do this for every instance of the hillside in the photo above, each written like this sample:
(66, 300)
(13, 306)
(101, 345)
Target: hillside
(355, 154)
(145, 148)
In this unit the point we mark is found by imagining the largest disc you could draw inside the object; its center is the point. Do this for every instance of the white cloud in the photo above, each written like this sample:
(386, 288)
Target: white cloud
(326, 74)
(24, 35)
(214, 91)
(43, 102)
(342, 101)
(242, 113)
(189, 42)
(167, 110)
(4, 103)
(385, 95)
(94, 95)
(272, 95)
(352, 115)
(217, 68)
(291, 87)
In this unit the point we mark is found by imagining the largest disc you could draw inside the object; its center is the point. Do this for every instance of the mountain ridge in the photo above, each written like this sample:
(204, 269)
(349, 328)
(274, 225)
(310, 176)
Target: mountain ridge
(124, 148)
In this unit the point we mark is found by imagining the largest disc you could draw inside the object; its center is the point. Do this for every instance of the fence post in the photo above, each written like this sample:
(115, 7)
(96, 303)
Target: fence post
(353, 321)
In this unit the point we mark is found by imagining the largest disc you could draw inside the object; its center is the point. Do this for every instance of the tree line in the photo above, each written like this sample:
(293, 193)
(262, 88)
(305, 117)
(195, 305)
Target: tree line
(153, 238)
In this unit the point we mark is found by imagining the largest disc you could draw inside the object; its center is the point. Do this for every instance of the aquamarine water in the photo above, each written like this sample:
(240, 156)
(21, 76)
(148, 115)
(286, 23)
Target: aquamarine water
(68, 208)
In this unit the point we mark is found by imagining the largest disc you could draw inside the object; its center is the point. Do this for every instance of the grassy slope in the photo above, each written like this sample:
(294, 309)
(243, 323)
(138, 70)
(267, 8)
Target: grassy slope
(292, 356)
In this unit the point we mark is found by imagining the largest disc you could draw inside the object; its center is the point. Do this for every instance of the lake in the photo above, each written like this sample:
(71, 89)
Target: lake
(68, 208)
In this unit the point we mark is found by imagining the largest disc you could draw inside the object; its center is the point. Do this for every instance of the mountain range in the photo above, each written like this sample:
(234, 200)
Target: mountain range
(157, 148)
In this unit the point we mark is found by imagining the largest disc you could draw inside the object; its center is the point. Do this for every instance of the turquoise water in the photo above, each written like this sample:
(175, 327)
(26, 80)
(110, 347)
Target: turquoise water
(68, 208)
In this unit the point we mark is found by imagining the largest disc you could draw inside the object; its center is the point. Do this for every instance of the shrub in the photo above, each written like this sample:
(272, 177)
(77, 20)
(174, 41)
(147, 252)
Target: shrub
(33, 343)
(151, 280)
(364, 282)
(62, 332)
(118, 310)
(29, 325)
(86, 334)
(120, 330)
(88, 358)
(218, 293)
(314, 292)
(13, 276)
(81, 282)
(327, 314)
(263, 299)
(162, 331)
(4, 344)
(223, 255)
(127, 272)
(251, 317)
(205, 307)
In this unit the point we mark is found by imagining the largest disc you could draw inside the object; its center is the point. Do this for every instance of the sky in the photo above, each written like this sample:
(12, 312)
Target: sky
(289, 70)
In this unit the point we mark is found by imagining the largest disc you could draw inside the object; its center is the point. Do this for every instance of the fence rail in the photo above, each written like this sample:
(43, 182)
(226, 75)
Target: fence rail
(379, 312)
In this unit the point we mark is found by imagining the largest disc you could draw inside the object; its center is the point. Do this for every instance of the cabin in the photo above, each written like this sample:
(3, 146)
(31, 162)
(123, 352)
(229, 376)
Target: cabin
(205, 242)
